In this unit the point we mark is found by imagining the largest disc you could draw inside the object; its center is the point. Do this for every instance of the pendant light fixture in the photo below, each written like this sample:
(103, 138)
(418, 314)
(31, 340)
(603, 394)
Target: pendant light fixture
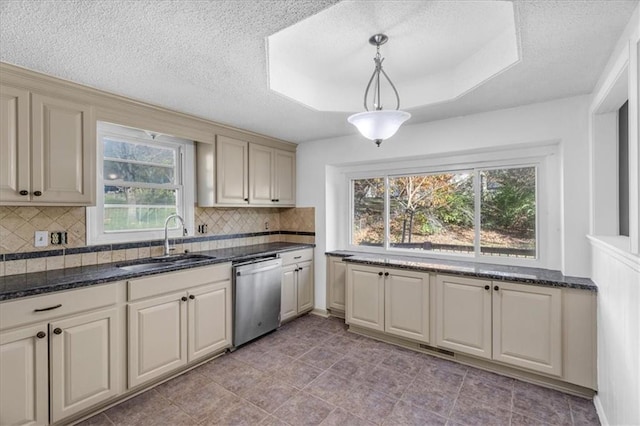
(379, 124)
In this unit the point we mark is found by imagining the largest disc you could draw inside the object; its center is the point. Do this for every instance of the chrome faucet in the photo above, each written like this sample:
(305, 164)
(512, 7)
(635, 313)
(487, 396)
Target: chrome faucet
(167, 247)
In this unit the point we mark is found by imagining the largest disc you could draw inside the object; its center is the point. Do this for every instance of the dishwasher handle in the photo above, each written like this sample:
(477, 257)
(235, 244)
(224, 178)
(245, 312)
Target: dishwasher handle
(256, 270)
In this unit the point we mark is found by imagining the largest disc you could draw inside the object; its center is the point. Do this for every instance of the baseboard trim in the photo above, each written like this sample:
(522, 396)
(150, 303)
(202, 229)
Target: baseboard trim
(600, 410)
(320, 312)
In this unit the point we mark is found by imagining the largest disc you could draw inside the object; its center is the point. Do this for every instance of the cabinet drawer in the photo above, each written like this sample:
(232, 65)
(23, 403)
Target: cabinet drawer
(175, 281)
(23, 311)
(297, 256)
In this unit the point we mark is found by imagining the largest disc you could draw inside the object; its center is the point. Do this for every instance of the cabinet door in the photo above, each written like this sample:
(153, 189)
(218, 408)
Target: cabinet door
(407, 304)
(336, 284)
(289, 301)
(305, 286)
(63, 151)
(24, 371)
(464, 315)
(209, 319)
(527, 327)
(232, 177)
(84, 364)
(365, 297)
(261, 175)
(284, 177)
(15, 161)
(157, 337)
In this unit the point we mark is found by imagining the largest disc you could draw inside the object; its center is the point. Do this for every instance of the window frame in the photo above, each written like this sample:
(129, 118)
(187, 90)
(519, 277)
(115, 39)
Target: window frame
(184, 183)
(538, 157)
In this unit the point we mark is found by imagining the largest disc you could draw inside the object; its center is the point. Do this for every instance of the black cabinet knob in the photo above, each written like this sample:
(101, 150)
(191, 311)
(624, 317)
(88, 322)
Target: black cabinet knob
(184, 298)
(41, 335)
(386, 274)
(191, 296)
(57, 330)
(277, 200)
(23, 192)
(246, 199)
(486, 287)
(37, 193)
(380, 273)
(496, 288)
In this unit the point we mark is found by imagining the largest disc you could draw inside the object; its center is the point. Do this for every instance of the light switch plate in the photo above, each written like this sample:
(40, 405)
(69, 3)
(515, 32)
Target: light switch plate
(42, 238)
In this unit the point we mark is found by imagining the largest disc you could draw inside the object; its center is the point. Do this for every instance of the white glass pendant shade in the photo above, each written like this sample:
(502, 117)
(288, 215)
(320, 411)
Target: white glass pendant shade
(379, 125)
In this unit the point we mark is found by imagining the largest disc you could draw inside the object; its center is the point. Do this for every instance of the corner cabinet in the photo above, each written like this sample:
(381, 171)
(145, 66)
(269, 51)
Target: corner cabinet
(47, 149)
(389, 300)
(176, 318)
(271, 176)
(511, 323)
(336, 281)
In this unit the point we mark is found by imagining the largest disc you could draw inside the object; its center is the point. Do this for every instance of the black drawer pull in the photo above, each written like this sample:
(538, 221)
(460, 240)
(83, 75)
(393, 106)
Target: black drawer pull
(386, 274)
(41, 335)
(183, 298)
(37, 193)
(246, 199)
(23, 192)
(380, 273)
(191, 296)
(57, 330)
(486, 287)
(297, 257)
(496, 288)
(50, 308)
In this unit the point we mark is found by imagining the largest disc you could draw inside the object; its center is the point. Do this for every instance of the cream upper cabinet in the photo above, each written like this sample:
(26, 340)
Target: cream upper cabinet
(406, 301)
(24, 396)
(83, 356)
(157, 337)
(261, 166)
(527, 326)
(15, 173)
(464, 315)
(232, 171)
(336, 278)
(48, 157)
(285, 177)
(209, 314)
(365, 297)
(271, 176)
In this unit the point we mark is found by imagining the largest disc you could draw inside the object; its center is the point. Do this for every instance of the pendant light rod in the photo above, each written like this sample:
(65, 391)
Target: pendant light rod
(378, 40)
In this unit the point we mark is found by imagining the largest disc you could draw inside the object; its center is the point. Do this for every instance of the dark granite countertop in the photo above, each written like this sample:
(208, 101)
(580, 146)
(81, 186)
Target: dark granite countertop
(520, 274)
(23, 285)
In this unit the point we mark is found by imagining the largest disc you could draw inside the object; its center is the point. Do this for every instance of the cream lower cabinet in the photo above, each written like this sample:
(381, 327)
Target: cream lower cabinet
(168, 329)
(389, 300)
(336, 281)
(297, 288)
(24, 369)
(59, 354)
(84, 362)
(512, 323)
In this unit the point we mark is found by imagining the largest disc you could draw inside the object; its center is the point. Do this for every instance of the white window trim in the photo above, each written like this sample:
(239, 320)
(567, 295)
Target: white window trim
(185, 171)
(544, 156)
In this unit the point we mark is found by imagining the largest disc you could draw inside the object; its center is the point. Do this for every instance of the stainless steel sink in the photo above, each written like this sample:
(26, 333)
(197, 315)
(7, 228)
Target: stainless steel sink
(163, 262)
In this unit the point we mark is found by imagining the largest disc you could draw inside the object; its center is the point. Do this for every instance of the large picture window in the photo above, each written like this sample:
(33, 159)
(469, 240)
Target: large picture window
(141, 181)
(477, 212)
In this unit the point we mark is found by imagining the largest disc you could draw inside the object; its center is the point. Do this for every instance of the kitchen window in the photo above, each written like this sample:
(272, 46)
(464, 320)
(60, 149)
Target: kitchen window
(142, 178)
(479, 212)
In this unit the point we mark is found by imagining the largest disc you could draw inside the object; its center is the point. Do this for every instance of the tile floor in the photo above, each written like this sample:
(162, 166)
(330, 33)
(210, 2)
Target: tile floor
(312, 371)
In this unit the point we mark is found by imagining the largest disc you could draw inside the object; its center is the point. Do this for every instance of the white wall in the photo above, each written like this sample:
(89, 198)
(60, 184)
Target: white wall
(616, 259)
(564, 120)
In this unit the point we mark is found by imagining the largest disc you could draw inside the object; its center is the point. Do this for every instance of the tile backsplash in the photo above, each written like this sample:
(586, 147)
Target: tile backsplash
(226, 227)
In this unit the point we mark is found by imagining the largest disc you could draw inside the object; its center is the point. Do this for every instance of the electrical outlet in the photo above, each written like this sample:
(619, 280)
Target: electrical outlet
(266, 225)
(42, 238)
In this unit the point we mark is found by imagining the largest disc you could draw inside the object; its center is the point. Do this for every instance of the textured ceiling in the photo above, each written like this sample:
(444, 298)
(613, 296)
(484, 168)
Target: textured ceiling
(436, 52)
(208, 58)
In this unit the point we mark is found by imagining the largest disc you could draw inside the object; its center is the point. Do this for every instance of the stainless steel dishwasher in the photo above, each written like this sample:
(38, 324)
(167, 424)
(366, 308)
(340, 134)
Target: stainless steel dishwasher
(256, 298)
